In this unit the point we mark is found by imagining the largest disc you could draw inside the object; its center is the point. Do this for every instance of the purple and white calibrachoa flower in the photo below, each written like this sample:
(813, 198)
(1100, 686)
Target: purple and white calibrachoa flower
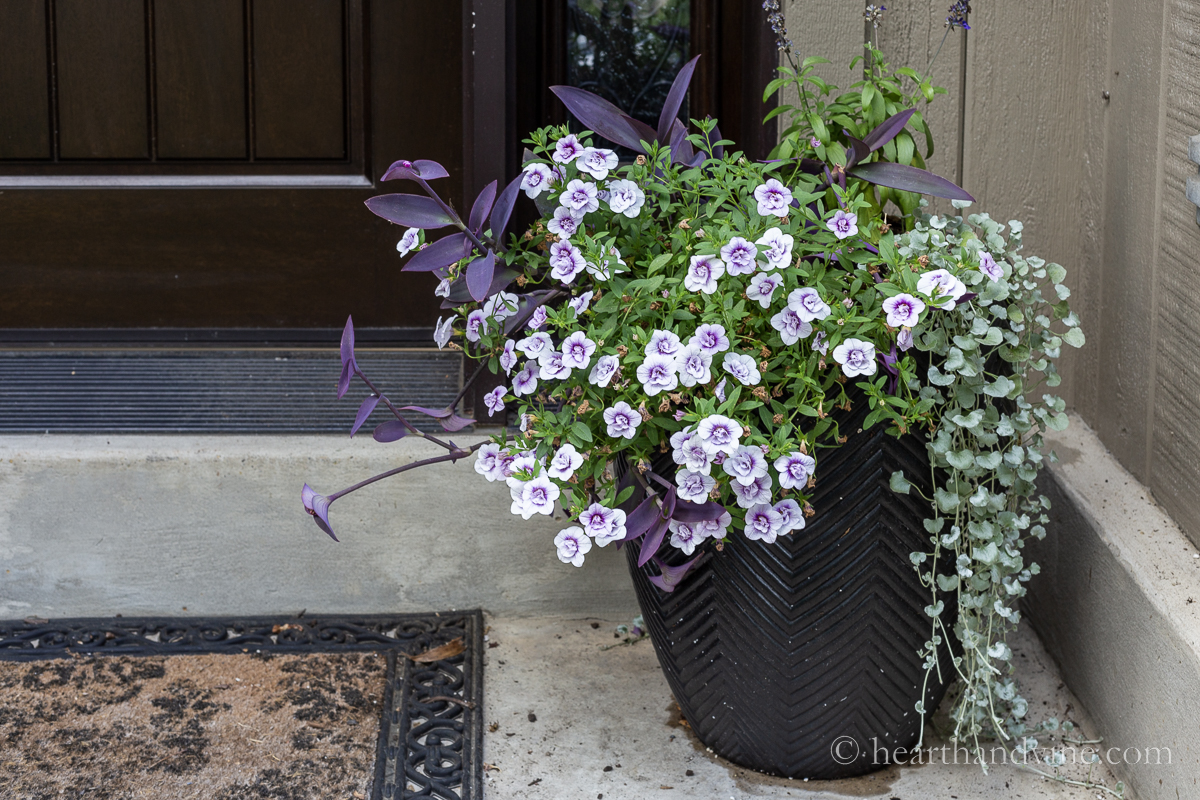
(500, 306)
(664, 343)
(442, 331)
(778, 248)
(820, 343)
(564, 223)
(409, 241)
(535, 344)
(746, 464)
(808, 304)
(842, 224)
(742, 367)
(989, 267)
(535, 496)
(508, 357)
(941, 287)
(622, 420)
(536, 178)
(442, 289)
(604, 524)
(791, 516)
(476, 325)
(489, 462)
(607, 265)
(702, 274)
(564, 462)
(494, 400)
(572, 544)
(581, 197)
(516, 464)
(904, 339)
(719, 434)
(856, 357)
(581, 303)
(685, 536)
(577, 350)
(626, 197)
(694, 365)
(903, 310)
(795, 469)
(690, 453)
(739, 256)
(657, 374)
(566, 261)
(715, 528)
(567, 149)
(602, 373)
(773, 199)
(694, 486)
(537, 319)
(762, 523)
(762, 286)
(791, 328)
(711, 338)
(597, 162)
(552, 366)
(753, 493)
(525, 382)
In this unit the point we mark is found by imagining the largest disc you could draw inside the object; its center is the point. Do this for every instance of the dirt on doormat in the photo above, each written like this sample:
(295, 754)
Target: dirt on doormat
(217, 727)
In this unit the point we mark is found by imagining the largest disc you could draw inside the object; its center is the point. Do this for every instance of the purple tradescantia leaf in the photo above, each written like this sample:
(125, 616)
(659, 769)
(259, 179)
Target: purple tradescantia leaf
(391, 431)
(442, 253)
(888, 129)
(318, 506)
(421, 169)
(459, 293)
(364, 411)
(670, 109)
(479, 276)
(446, 417)
(599, 115)
(653, 540)
(455, 423)
(502, 211)
(890, 362)
(641, 518)
(349, 365)
(436, 413)
(526, 305)
(482, 207)
(672, 576)
(910, 179)
(410, 210)
(640, 129)
(686, 511)
(966, 298)
(857, 152)
(681, 148)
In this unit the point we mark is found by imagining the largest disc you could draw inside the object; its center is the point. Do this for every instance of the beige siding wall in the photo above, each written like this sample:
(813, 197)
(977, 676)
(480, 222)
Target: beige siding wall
(1098, 182)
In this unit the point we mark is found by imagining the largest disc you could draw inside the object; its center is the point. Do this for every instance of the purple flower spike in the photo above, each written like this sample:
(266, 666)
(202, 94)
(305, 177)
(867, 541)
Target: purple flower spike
(349, 365)
(318, 506)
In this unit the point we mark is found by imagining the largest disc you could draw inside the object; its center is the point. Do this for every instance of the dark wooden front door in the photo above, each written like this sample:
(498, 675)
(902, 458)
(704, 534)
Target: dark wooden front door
(202, 163)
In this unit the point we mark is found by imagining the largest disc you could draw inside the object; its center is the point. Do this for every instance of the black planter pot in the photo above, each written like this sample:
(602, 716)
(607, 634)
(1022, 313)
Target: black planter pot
(799, 658)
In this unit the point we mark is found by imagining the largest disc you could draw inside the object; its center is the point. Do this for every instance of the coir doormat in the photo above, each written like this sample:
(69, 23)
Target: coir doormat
(287, 708)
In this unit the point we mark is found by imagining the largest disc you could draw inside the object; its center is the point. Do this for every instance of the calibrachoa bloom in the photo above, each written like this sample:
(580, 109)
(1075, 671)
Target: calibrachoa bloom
(657, 374)
(564, 222)
(566, 149)
(753, 493)
(762, 286)
(577, 350)
(442, 331)
(689, 452)
(622, 420)
(538, 318)
(572, 544)
(489, 462)
(606, 367)
(791, 516)
(791, 328)
(408, 242)
(694, 486)
(494, 400)
(685, 536)
(856, 357)
(508, 357)
(552, 367)
(500, 306)
(719, 434)
(597, 162)
(603, 524)
(808, 304)
(715, 528)
(711, 338)
(842, 224)
(535, 344)
(942, 287)
(739, 256)
(903, 310)
(663, 343)
(989, 267)
(773, 199)
(564, 462)
(536, 178)
(625, 197)
(904, 339)
(702, 274)
(778, 246)
(694, 365)
(581, 197)
(794, 469)
(566, 261)
(476, 325)
(535, 496)
(581, 303)
(526, 381)
(443, 288)
(762, 523)
(742, 367)
(745, 465)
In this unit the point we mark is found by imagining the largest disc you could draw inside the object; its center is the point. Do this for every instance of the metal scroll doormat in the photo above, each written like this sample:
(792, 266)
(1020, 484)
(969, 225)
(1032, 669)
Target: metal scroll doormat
(211, 391)
(378, 707)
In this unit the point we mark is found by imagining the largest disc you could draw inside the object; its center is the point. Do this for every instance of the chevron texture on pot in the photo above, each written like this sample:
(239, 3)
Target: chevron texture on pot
(800, 658)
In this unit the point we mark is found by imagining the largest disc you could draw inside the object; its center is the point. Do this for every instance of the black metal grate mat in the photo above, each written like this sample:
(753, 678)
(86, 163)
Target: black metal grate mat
(231, 391)
(431, 728)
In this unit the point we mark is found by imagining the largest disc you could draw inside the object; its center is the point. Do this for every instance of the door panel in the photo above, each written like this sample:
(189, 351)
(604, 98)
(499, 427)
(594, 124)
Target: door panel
(25, 89)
